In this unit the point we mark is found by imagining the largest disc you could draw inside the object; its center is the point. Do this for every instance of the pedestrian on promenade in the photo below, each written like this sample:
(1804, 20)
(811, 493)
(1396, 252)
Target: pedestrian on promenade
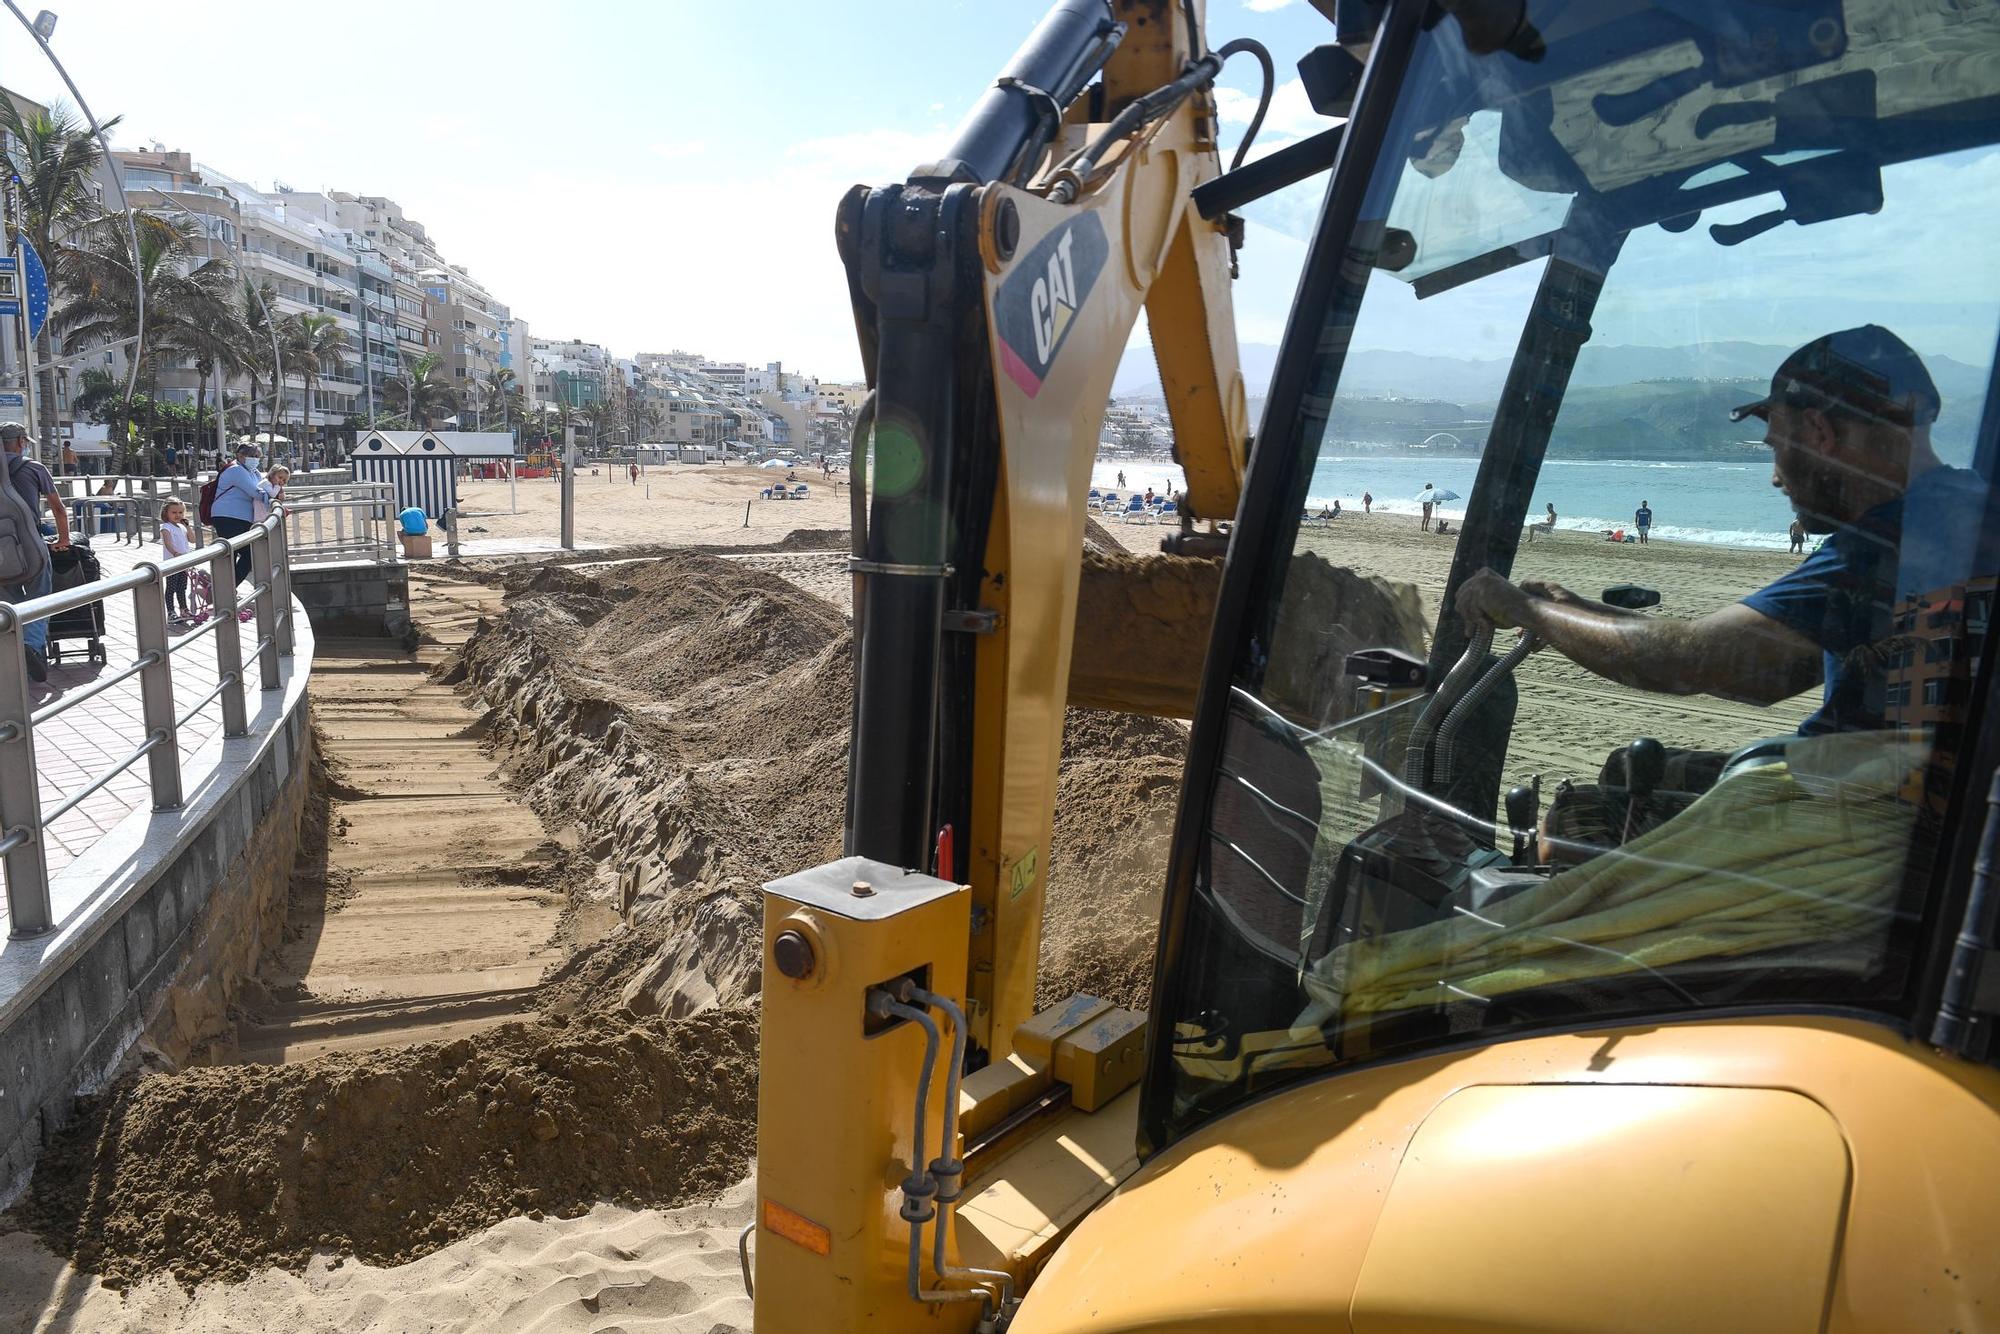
(174, 541)
(238, 493)
(1642, 519)
(33, 484)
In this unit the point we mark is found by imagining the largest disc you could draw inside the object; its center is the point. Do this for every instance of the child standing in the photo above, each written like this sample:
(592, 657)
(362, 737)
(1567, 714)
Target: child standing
(174, 538)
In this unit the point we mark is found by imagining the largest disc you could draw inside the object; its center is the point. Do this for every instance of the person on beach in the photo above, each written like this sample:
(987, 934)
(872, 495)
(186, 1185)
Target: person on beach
(1429, 504)
(1367, 503)
(1642, 519)
(633, 471)
(1121, 479)
(174, 540)
(1848, 422)
(1547, 525)
(1798, 538)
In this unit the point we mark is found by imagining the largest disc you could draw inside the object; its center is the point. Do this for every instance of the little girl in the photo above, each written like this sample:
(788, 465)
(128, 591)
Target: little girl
(174, 537)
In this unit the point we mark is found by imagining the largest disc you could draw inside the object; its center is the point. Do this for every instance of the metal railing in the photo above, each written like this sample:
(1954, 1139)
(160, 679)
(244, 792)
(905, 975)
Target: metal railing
(23, 823)
(349, 521)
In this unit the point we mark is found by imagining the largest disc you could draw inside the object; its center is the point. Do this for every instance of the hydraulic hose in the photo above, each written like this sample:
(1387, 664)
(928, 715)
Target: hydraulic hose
(1416, 759)
(1447, 742)
(948, 1169)
(919, 1187)
(1069, 178)
(858, 444)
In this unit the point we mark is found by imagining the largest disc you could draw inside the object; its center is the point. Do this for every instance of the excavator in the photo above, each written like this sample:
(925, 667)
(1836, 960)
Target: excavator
(1419, 1055)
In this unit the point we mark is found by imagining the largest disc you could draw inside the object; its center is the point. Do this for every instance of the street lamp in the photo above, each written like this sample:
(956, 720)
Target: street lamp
(42, 28)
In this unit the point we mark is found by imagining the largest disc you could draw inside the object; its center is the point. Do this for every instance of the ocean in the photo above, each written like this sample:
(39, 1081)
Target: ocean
(1729, 504)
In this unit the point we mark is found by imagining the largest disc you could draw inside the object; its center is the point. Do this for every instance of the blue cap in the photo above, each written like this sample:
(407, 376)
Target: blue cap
(1867, 370)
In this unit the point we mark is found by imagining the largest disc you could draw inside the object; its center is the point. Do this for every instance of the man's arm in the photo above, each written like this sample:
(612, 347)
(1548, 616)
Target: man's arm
(1736, 653)
(60, 513)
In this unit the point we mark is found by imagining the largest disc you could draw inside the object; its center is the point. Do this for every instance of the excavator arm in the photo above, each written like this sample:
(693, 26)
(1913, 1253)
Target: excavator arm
(994, 293)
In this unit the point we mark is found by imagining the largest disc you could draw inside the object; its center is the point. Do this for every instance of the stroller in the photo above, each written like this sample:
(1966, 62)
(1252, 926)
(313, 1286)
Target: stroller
(201, 597)
(69, 569)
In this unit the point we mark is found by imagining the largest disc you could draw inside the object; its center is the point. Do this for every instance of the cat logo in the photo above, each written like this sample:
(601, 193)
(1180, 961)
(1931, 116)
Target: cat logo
(1037, 305)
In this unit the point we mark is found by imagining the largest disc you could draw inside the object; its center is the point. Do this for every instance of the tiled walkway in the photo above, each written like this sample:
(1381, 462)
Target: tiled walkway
(75, 747)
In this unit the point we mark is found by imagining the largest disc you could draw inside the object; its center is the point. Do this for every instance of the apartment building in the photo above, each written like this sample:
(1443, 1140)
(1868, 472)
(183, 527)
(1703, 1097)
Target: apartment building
(466, 320)
(570, 371)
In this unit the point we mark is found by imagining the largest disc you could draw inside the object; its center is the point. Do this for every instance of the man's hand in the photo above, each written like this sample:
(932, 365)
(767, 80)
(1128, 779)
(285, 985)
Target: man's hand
(1487, 598)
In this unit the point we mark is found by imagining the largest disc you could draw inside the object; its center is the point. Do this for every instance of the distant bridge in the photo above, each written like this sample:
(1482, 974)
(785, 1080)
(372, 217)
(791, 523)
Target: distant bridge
(1442, 437)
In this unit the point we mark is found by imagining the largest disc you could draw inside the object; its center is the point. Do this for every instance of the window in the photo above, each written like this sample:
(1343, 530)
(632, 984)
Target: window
(1542, 322)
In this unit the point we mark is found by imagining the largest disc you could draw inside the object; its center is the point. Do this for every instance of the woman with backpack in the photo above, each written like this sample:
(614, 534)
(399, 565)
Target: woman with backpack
(232, 506)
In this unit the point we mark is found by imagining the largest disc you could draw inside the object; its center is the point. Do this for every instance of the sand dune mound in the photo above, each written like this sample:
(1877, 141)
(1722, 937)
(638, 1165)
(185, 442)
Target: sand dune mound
(691, 714)
(219, 1172)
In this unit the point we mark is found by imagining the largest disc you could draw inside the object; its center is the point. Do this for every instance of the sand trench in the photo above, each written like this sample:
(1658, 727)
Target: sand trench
(679, 726)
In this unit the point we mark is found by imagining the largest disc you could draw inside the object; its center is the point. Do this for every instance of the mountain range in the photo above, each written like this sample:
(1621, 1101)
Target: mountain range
(1623, 402)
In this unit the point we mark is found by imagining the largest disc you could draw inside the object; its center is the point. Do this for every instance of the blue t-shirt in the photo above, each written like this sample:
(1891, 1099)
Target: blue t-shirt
(1644, 517)
(1844, 597)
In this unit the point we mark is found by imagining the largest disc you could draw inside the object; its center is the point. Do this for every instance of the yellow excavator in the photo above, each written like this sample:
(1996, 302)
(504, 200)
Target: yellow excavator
(1420, 1054)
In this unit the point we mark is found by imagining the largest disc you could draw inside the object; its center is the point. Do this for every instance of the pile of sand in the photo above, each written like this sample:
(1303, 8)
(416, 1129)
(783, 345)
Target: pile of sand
(221, 1171)
(690, 714)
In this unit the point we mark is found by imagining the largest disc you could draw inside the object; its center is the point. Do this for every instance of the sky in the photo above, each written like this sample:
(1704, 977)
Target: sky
(664, 174)
(644, 175)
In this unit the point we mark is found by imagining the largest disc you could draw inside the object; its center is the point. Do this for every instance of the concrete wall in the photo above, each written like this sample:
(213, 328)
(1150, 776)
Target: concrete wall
(167, 965)
(355, 599)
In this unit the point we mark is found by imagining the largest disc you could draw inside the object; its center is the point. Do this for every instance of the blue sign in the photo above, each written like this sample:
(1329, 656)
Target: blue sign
(10, 287)
(8, 400)
(38, 287)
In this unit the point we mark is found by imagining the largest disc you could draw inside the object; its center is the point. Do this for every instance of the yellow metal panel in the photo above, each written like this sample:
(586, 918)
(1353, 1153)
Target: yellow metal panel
(1101, 1059)
(1060, 308)
(1012, 1219)
(1262, 1220)
(1188, 313)
(834, 1118)
(1639, 1208)
(990, 1096)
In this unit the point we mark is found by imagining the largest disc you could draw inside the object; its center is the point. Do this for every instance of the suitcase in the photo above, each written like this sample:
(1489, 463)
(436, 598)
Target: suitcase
(68, 569)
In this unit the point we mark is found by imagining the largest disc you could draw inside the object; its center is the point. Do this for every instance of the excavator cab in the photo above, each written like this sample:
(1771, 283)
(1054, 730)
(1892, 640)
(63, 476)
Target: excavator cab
(1492, 991)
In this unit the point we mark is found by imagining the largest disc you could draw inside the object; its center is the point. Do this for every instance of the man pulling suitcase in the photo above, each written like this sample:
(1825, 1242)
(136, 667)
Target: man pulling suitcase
(25, 569)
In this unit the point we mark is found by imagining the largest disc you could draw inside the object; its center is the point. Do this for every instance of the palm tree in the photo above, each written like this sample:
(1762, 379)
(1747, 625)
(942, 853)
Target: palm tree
(52, 159)
(427, 395)
(308, 343)
(187, 302)
(497, 396)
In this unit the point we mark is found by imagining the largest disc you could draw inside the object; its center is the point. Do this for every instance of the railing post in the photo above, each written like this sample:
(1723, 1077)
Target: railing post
(281, 580)
(267, 618)
(451, 533)
(228, 643)
(156, 688)
(28, 911)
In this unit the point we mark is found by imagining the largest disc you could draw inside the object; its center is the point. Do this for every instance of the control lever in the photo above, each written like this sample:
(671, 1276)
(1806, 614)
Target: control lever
(1645, 767)
(1523, 811)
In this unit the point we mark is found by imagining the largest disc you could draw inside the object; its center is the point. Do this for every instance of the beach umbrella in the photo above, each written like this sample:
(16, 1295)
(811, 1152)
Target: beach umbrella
(1441, 494)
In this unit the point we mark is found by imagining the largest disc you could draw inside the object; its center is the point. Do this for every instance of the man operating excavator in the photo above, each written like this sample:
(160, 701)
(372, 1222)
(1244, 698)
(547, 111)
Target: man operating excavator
(1848, 421)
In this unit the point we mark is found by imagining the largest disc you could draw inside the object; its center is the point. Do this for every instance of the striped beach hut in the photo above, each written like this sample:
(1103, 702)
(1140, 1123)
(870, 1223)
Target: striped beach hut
(419, 465)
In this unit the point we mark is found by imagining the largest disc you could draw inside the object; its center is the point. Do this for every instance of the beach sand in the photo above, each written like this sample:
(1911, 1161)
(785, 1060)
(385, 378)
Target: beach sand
(670, 1272)
(685, 504)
